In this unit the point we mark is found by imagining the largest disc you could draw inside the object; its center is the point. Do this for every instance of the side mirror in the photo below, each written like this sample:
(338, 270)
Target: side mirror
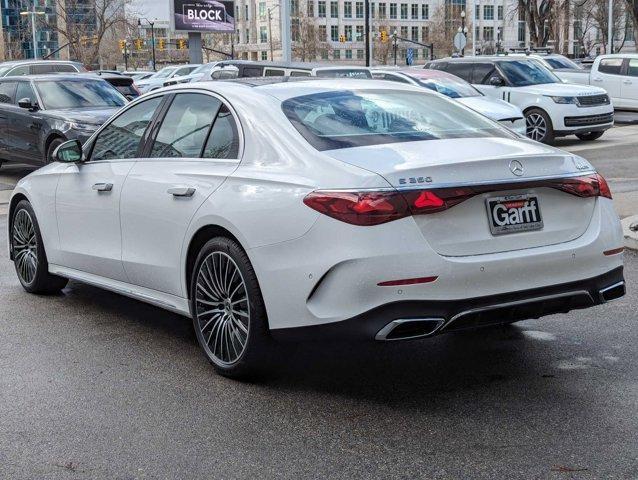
(27, 104)
(69, 152)
(496, 81)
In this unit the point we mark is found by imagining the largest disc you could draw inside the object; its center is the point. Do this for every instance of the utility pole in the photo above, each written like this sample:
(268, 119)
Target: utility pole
(284, 11)
(367, 32)
(394, 46)
(32, 13)
(610, 28)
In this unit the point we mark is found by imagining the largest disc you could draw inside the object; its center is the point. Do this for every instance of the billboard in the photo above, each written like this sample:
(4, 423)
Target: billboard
(202, 16)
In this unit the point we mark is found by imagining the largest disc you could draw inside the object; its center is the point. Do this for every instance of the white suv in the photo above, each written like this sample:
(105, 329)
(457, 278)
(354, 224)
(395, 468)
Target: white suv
(552, 108)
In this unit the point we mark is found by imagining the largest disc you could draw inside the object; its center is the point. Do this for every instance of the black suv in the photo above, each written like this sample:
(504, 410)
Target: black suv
(36, 67)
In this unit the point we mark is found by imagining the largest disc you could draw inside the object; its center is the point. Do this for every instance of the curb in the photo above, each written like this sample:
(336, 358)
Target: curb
(630, 236)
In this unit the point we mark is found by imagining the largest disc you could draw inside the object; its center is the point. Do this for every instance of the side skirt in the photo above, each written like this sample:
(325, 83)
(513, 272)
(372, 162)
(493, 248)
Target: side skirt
(164, 300)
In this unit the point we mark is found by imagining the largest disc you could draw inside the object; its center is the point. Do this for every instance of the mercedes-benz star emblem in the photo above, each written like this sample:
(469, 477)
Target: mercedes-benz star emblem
(516, 168)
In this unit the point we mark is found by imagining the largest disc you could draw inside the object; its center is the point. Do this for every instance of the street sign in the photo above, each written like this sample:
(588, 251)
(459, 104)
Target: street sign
(460, 41)
(409, 57)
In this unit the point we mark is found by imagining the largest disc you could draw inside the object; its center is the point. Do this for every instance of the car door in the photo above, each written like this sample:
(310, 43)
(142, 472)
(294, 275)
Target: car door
(88, 194)
(26, 127)
(196, 147)
(7, 97)
(609, 76)
(629, 87)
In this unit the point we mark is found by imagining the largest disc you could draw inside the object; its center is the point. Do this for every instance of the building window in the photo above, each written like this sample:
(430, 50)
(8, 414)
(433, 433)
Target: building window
(322, 8)
(264, 55)
(311, 8)
(393, 11)
(334, 33)
(262, 10)
(415, 11)
(359, 11)
(373, 7)
(347, 10)
(360, 54)
(488, 34)
(359, 36)
(521, 33)
(414, 34)
(323, 35)
(334, 9)
(347, 30)
(404, 11)
(477, 32)
(488, 12)
(247, 38)
(263, 34)
(425, 11)
(336, 54)
(349, 54)
(425, 34)
(324, 53)
(246, 12)
(404, 32)
(382, 11)
(477, 12)
(499, 12)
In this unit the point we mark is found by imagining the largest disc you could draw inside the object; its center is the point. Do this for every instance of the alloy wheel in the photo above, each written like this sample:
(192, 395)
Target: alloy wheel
(536, 126)
(25, 246)
(222, 308)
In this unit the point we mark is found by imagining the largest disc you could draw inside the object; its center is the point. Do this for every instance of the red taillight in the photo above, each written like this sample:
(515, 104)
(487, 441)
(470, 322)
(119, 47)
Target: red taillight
(374, 208)
(359, 208)
(407, 281)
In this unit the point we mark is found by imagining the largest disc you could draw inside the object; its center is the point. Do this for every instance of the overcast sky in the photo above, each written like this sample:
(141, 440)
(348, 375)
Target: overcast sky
(152, 9)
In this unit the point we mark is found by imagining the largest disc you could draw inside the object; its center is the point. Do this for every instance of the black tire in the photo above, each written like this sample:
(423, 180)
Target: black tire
(39, 280)
(55, 143)
(257, 352)
(589, 136)
(539, 126)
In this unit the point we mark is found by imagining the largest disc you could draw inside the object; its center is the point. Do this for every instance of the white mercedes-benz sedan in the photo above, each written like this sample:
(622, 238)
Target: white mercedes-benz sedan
(272, 209)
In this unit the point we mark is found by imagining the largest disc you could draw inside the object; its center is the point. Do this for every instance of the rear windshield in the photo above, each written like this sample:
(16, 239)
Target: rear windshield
(344, 73)
(344, 119)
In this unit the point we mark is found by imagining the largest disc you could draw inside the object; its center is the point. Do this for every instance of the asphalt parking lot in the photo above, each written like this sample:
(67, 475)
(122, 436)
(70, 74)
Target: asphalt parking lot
(95, 385)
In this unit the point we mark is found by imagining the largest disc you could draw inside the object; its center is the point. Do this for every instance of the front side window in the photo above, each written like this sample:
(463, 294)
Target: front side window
(356, 118)
(521, 73)
(78, 93)
(482, 73)
(25, 90)
(121, 138)
(632, 70)
(460, 69)
(65, 67)
(612, 66)
(185, 126)
(21, 70)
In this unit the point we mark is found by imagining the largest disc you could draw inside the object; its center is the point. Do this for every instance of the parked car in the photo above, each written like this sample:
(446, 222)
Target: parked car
(208, 71)
(34, 67)
(157, 80)
(136, 76)
(617, 74)
(552, 108)
(40, 112)
(311, 209)
(247, 68)
(122, 83)
(506, 114)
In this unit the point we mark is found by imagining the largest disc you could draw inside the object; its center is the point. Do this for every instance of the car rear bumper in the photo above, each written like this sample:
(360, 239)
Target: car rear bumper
(429, 318)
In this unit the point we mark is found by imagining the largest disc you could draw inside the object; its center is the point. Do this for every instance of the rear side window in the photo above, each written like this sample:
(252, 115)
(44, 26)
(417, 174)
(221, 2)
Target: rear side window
(299, 73)
(463, 70)
(42, 68)
(252, 72)
(357, 118)
(7, 92)
(21, 70)
(273, 72)
(632, 69)
(121, 138)
(64, 67)
(185, 126)
(223, 141)
(610, 65)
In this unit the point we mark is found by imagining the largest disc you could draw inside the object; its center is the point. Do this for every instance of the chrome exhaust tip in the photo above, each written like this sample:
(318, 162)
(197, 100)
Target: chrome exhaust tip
(409, 328)
(612, 292)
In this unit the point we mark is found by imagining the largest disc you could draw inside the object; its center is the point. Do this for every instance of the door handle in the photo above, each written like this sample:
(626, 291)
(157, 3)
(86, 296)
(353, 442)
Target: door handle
(598, 79)
(181, 191)
(627, 82)
(103, 187)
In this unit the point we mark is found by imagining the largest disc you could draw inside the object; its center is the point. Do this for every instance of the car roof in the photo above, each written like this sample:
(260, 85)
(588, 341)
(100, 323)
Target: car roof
(9, 63)
(55, 76)
(420, 73)
(295, 65)
(489, 58)
(619, 55)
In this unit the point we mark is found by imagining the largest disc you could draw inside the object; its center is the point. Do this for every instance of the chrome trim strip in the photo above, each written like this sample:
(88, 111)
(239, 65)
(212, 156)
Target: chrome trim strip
(611, 287)
(382, 335)
(516, 303)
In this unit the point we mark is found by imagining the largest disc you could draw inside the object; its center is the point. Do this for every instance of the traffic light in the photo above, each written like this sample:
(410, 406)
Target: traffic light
(342, 38)
(138, 44)
(122, 44)
(162, 43)
(384, 36)
(181, 44)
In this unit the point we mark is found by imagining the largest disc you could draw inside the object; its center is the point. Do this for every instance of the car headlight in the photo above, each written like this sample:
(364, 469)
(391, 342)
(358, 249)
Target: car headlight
(84, 127)
(565, 100)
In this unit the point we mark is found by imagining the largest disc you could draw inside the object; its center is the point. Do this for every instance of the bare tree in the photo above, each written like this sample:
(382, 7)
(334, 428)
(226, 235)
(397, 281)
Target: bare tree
(382, 50)
(306, 42)
(85, 24)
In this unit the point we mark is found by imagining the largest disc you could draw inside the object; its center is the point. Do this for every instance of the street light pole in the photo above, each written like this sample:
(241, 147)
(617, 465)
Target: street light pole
(610, 28)
(152, 25)
(464, 30)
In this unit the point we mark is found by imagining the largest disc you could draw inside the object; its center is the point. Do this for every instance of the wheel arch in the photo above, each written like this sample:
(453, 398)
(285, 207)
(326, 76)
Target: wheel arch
(15, 199)
(50, 137)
